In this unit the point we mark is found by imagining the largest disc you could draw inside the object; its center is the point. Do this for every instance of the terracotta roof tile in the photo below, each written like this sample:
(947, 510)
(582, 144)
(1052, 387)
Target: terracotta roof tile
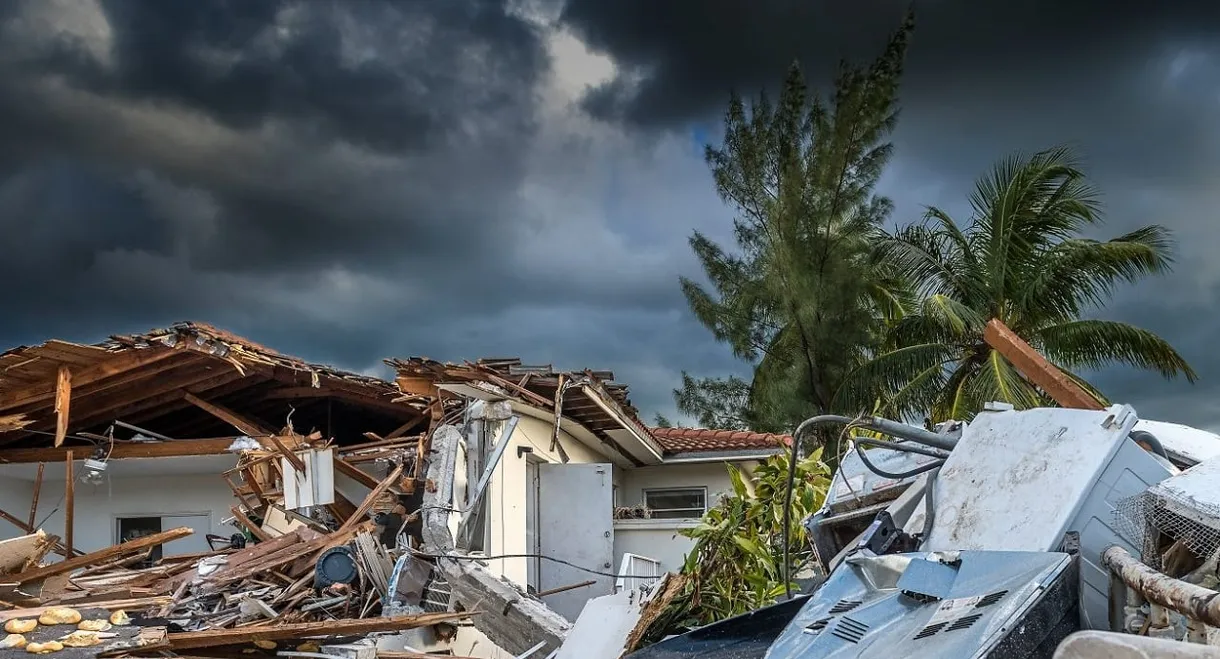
(689, 440)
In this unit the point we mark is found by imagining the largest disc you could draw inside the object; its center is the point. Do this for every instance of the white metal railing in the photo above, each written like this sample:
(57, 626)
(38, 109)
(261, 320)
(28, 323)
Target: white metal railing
(635, 571)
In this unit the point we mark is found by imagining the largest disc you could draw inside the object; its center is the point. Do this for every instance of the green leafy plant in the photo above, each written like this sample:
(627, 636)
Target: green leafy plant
(736, 564)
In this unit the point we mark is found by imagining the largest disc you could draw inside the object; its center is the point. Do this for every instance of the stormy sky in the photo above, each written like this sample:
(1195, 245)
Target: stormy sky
(352, 180)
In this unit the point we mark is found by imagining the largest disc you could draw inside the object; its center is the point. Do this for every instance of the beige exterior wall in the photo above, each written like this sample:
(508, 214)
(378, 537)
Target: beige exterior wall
(659, 539)
(508, 491)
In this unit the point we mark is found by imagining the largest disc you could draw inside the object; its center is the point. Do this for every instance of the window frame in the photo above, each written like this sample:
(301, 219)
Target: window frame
(701, 489)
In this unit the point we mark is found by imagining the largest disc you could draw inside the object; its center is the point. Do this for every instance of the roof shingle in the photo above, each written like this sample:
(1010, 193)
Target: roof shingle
(690, 440)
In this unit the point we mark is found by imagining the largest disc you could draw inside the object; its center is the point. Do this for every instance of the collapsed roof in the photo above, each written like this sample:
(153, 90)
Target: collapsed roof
(190, 380)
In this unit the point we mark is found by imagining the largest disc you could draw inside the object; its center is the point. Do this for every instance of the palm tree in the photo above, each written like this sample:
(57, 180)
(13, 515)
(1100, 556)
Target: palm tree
(1021, 259)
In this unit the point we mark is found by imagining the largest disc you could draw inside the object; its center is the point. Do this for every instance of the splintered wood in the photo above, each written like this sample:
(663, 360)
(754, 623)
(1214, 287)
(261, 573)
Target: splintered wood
(262, 593)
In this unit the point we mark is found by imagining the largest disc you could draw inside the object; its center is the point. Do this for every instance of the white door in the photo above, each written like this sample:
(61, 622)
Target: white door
(575, 525)
(531, 524)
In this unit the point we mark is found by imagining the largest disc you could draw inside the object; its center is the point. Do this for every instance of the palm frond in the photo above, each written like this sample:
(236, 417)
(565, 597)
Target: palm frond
(890, 373)
(1096, 343)
(997, 380)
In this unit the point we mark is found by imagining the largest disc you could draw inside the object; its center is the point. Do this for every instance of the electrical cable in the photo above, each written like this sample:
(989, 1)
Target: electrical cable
(797, 436)
(461, 557)
(899, 475)
(884, 426)
(900, 447)
(929, 508)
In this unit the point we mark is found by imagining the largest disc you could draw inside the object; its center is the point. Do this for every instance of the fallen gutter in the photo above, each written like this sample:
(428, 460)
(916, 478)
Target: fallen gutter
(1197, 602)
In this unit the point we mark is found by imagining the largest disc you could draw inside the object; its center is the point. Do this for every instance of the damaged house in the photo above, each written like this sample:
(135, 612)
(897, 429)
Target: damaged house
(555, 473)
(511, 492)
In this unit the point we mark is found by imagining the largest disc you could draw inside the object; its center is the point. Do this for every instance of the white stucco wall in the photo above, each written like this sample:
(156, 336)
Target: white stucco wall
(659, 538)
(15, 497)
(98, 507)
(154, 487)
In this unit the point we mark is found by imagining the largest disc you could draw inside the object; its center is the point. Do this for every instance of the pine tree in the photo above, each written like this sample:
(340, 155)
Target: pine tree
(800, 297)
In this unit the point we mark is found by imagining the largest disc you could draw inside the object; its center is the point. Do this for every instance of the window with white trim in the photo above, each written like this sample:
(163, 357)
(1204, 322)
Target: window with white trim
(676, 502)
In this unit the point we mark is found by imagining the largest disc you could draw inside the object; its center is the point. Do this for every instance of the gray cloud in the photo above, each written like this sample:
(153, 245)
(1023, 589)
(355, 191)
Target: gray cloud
(353, 180)
(1135, 87)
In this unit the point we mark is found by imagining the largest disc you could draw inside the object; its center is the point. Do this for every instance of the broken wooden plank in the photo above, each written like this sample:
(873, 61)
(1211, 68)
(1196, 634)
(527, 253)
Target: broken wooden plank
(37, 490)
(250, 526)
(101, 555)
(69, 501)
(293, 459)
(671, 586)
(356, 627)
(404, 428)
(344, 467)
(372, 498)
(248, 426)
(1045, 375)
(59, 546)
(63, 396)
(24, 552)
(121, 450)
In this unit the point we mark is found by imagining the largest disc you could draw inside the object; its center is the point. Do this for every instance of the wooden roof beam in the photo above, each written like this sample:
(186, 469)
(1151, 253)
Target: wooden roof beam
(121, 363)
(251, 427)
(1045, 375)
(179, 404)
(199, 386)
(121, 450)
(104, 406)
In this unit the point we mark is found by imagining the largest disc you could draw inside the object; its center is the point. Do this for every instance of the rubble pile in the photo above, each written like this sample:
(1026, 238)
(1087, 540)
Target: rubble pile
(290, 581)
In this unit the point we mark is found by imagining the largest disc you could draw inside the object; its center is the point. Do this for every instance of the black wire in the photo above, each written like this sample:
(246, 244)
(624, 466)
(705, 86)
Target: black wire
(461, 557)
(901, 475)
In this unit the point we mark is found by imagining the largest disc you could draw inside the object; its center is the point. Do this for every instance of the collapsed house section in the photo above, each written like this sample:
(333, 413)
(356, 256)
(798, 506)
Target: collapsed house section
(135, 456)
(224, 494)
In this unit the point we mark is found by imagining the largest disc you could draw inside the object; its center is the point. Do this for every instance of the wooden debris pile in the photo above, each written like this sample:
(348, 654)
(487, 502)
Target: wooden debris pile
(269, 594)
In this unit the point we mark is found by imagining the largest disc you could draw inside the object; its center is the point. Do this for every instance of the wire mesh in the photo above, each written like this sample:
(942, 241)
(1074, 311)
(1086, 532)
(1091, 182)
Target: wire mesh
(1157, 512)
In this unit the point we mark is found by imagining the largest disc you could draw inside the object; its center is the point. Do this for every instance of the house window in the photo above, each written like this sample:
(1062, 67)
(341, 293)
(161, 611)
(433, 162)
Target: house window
(130, 527)
(676, 503)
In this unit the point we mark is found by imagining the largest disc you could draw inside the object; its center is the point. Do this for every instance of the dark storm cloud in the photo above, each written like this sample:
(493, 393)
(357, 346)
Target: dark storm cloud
(261, 111)
(352, 180)
(681, 58)
(1134, 86)
(341, 180)
(245, 62)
